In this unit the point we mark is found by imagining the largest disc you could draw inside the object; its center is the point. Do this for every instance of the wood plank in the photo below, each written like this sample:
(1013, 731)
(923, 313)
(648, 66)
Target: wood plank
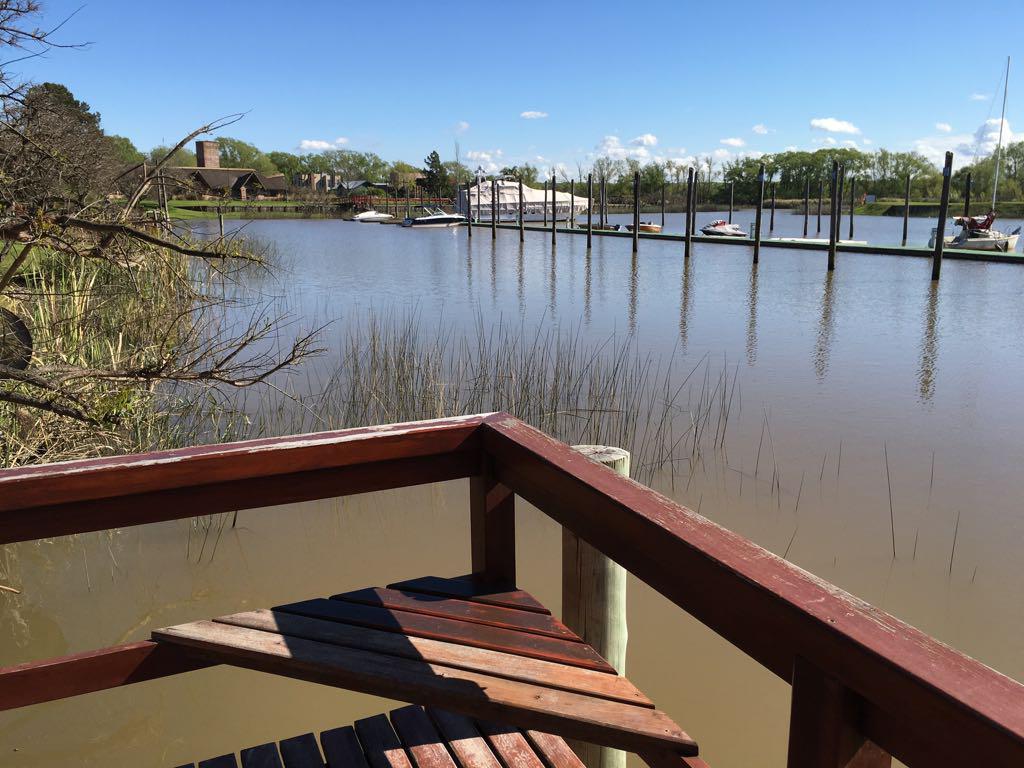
(461, 610)
(464, 740)
(34, 682)
(341, 748)
(451, 631)
(547, 673)
(925, 703)
(262, 756)
(663, 759)
(510, 745)
(301, 752)
(492, 529)
(421, 739)
(223, 761)
(381, 744)
(554, 749)
(471, 587)
(528, 706)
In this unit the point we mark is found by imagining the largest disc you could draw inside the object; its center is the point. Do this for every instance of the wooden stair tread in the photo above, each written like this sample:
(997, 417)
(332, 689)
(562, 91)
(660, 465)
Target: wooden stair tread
(471, 588)
(506, 667)
(412, 738)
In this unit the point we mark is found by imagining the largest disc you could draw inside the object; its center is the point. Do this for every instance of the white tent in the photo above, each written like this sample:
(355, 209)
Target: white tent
(537, 203)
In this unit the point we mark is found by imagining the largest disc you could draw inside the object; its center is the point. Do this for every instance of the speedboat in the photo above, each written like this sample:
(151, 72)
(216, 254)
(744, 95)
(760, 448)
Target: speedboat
(435, 218)
(372, 216)
(646, 226)
(722, 228)
(976, 234)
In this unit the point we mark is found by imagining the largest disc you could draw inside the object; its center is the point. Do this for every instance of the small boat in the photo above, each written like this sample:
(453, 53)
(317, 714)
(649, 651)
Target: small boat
(722, 228)
(605, 228)
(372, 216)
(435, 218)
(976, 234)
(646, 226)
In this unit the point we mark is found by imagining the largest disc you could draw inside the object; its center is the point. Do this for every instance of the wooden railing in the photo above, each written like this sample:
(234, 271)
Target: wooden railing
(865, 685)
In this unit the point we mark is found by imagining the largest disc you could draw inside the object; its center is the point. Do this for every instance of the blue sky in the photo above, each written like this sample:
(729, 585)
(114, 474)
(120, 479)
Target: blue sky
(650, 80)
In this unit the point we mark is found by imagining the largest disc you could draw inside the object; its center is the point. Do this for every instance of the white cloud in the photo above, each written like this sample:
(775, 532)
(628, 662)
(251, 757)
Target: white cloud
(944, 127)
(850, 143)
(611, 146)
(461, 127)
(761, 129)
(532, 114)
(319, 145)
(834, 125)
(791, 148)
(644, 140)
(733, 142)
(867, 142)
(828, 140)
(488, 159)
(979, 97)
(722, 154)
(965, 146)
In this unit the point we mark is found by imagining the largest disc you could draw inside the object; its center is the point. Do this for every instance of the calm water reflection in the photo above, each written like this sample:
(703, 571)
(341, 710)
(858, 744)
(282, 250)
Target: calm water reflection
(834, 371)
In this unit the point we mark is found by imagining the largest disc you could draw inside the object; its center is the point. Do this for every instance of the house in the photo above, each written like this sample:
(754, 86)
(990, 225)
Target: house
(208, 179)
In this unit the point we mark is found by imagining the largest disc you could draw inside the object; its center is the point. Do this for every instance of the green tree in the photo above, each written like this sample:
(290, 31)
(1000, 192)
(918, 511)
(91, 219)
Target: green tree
(288, 164)
(528, 173)
(124, 151)
(434, 176)
(183, 158)
(235, 153)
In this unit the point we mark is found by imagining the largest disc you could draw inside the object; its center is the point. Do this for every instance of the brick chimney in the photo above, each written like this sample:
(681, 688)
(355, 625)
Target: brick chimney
(207, 154)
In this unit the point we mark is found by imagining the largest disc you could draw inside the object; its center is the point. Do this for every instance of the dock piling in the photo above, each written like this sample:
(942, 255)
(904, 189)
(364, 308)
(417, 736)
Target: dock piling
(940, 232)
(590, 210)
(732, 198)
(757, 214)
(636, 211)
(594, 602)
(853, 185)
(521, 230)
(554, 208)
(906, 210)
(689, 220)
(469, 209)
(967, 195)
(494, 209)
(771, 219)
(833, 229)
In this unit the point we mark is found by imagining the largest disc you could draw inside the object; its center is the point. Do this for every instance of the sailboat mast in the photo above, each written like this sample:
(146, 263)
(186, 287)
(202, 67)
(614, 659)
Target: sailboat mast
(1002, 121)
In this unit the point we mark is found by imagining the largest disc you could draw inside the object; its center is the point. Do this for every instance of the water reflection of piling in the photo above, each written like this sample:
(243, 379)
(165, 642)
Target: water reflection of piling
(752, 317)
(494, 272)
(552, 283)
(634, 286)
(587, 276)
(823, 346)
(929, 345)
(684, 303)
(520, 279)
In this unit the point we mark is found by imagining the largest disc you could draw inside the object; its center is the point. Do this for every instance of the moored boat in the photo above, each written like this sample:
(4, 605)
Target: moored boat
(372, 216)
(976, 234)
(722, 228)
(435, 218)
(646, 226)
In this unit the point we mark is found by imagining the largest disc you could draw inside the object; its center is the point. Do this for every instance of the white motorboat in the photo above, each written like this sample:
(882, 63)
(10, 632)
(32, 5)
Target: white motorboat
(722, 228)
(976, 234)
(435, 218)
(372, 216)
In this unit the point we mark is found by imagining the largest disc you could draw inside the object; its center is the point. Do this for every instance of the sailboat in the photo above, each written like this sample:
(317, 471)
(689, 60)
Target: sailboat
(976, 232)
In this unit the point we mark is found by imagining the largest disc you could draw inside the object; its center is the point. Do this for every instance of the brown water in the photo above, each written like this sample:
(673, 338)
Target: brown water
(843, 370)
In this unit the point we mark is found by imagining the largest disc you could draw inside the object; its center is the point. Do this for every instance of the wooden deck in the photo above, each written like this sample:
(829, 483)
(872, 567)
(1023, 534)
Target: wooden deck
(481, 652)
(432, 738)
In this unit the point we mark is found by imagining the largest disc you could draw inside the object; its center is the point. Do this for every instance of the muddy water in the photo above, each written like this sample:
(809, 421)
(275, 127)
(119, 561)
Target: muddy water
(847, 386)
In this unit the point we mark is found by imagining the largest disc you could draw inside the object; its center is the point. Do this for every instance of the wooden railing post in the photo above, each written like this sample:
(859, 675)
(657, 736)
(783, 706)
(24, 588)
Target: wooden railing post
(594, 602)
(492, 529)
(823, 724)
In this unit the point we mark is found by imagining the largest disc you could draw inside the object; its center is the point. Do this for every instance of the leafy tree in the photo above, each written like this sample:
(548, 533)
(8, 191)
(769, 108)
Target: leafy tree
(287, 163)
(434, 176)
(235, 153)
(124, 151)
(183, 158)
(528, 173)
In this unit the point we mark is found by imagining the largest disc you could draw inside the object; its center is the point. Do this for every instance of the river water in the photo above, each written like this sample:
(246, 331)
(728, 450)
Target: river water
(848, 385)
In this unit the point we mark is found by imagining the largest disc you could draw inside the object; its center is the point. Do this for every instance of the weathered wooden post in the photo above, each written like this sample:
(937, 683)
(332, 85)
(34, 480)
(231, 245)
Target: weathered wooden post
(494, 209)
(554, 208)
(594, 601)
(220, 220)
(688, 231)
(545, 212)
(906, 210)
(469, 210)
(833, 231)
(757, 214)
(967, 195)
(732, 197)
(807, 203)
(521, 232)
(636, 211)
(590, 210)
(821, 193)
(663, 205)
(771, 219)
(853, 186)
(839, 200)
(940, 232)
(572, 203)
